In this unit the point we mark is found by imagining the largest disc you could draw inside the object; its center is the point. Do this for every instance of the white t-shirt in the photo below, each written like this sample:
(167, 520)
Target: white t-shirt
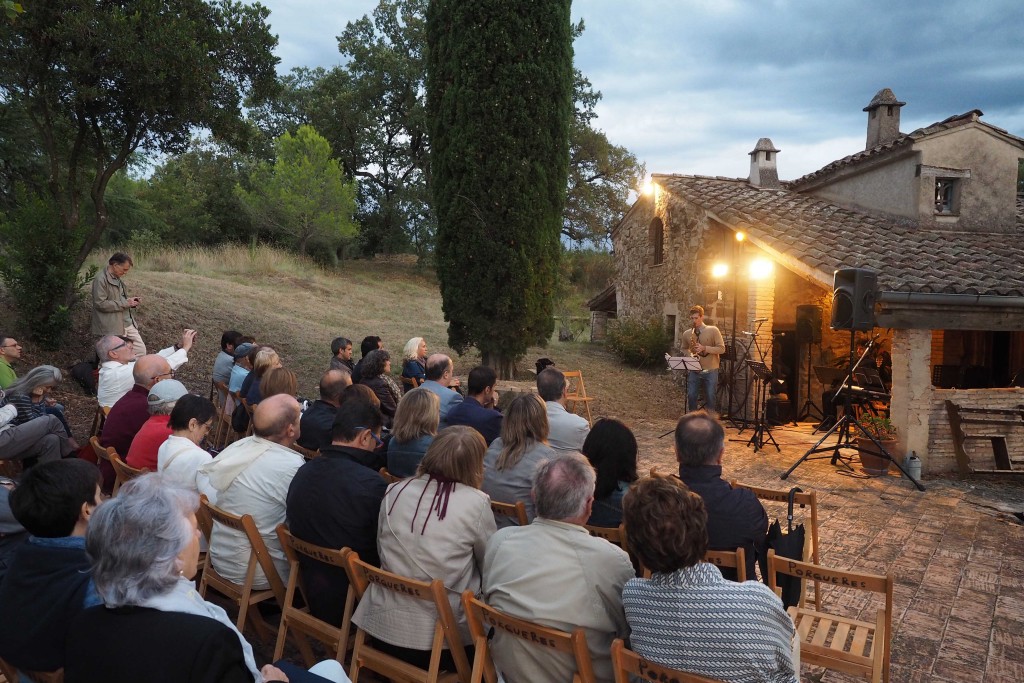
(180, 459)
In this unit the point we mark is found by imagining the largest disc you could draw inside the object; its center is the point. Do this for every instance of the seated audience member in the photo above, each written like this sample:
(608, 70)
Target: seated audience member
(567, 430)
(10, 350)
(180, 458)
(341, 355)
(376, 374)
(369, 344)
(334, 501)
(414, 360)
(31, 396)
(434, 526)
(512, 458)
(226, 358)
(735, 516)
(413, 431)
(161, 399)
(266, 360)
(118, 361)
(43, 438)
(154, 626)
(252, 476)
(442, 381)
(48, 581)
(279, 381)
(12, 533)
(479, 409)
(611, 449)
(240, 370)
(132, 410)
(555, 573)
(686, 616)
(318, 420)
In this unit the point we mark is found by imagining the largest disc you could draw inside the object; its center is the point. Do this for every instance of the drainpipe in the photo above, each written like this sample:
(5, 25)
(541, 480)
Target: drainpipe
(951, 299)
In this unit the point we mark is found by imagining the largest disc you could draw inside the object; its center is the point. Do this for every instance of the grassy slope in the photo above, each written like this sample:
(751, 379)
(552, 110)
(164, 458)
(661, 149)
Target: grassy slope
(298, 308)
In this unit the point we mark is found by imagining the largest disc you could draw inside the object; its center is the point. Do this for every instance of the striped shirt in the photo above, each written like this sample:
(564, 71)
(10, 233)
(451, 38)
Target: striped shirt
(694, 620)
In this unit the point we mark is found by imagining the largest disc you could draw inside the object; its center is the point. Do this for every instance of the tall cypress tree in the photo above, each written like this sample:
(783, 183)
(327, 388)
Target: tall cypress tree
(499, 99)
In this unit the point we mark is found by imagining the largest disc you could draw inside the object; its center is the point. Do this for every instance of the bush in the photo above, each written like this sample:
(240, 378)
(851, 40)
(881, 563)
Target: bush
(638, 342)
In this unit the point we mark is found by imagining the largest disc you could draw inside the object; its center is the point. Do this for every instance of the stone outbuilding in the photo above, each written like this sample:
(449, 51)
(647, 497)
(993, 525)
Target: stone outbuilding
(936, 213)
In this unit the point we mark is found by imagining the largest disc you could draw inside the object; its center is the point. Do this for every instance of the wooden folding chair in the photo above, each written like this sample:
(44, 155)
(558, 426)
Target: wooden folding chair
(243, 594)
(613, 534)
(306, 453)
(10, 673)
(98, 420)
(803, 499)
(731, 559)
(388, 477)
(626, 663)
(123, 470)
(446, 630)
(516, 510)
(410, 383)
(575, 393)
(838, 642)
(101, 452)
(222, 399)
(482, 618)
(248, 409)
(298, 619)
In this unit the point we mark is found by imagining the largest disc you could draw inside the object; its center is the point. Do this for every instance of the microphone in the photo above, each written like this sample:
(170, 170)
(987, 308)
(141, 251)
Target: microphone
(761, 320)
(749, 334)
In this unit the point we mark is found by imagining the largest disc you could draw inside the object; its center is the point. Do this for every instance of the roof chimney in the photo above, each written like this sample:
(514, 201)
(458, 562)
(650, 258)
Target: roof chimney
(763, 172)
(883, 118)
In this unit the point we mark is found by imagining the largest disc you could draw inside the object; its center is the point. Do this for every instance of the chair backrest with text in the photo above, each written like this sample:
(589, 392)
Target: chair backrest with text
(836, 641)
(298, 619)
(446, 632)
(483, 619)
(627, 664)
(612, 534)
(731, 559)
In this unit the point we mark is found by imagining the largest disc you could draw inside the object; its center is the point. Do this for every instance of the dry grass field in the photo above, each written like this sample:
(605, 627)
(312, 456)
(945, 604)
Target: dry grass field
(299, 307)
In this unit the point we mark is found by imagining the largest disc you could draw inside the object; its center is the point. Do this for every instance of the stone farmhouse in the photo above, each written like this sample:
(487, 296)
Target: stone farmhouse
(937, 213)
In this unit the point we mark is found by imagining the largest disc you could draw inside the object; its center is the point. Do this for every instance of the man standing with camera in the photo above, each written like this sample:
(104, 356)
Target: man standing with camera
(112, 308)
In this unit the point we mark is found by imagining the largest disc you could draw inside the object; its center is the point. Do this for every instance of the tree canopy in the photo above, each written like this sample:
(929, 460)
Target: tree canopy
(499, 93)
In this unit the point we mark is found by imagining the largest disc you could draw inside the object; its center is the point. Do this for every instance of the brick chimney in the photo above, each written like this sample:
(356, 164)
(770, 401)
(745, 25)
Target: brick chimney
(883, 118)
(763, 172)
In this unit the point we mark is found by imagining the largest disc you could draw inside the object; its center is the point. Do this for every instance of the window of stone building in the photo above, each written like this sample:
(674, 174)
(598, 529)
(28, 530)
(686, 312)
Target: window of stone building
(656, 234)
(947, 196)
(977, 359)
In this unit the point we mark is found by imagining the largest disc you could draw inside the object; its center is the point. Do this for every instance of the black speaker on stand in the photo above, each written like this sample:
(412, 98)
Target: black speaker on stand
(808, 331)
(853, 299)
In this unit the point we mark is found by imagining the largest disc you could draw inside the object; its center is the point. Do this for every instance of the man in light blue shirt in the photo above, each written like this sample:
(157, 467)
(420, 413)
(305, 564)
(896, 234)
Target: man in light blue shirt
(566, 431)
(441, 381)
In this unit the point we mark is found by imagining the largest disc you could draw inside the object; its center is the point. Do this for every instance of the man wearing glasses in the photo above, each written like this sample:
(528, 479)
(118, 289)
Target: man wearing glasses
(112, 308)
(9, 350)
(334, 501)
(117, 356)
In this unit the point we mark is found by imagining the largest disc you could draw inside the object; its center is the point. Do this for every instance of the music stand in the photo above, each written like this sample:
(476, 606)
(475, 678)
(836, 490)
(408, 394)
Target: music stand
(761, 428)
(689, 364)
(844, 426)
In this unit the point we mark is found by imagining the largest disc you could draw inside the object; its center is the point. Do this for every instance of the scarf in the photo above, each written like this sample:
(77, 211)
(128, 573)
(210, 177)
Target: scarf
(233, 460)
(184, 599)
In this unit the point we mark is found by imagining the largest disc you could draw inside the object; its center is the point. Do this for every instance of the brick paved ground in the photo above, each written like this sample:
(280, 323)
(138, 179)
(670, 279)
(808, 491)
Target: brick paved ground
(956, 554)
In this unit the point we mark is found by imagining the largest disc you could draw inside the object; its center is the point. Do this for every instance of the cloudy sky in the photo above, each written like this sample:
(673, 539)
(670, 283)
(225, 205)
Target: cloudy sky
(690, 85)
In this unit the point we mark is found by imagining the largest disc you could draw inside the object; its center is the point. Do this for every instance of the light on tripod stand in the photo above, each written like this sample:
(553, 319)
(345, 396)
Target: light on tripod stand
(719, 270)
(761, 268)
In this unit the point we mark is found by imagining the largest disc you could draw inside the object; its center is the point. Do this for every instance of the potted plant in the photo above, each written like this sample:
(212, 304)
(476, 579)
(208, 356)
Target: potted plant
(883, 430)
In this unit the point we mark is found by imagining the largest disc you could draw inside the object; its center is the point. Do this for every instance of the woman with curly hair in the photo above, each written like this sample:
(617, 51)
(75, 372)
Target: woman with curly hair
(376, 374)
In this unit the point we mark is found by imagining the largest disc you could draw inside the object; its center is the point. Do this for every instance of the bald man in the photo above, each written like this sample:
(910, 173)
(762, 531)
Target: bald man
(441, 380)
(318, 420)
(117, 358)
(252, 476)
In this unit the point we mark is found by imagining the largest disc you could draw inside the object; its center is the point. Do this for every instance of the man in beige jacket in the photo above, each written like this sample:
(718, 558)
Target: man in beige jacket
(112, 308)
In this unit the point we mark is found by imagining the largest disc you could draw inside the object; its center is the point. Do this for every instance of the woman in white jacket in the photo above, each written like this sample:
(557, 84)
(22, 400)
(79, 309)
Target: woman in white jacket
(180, 456)
(431, 526)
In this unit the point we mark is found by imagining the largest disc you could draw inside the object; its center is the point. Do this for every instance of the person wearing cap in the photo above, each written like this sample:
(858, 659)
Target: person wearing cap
(161, 399)
(242, 367)
(131, 411)
(118, 364)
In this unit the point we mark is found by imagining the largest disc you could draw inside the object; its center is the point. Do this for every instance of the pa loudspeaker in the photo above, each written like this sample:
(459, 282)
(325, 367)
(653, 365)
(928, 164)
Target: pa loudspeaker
(853, 299)
(808, 324)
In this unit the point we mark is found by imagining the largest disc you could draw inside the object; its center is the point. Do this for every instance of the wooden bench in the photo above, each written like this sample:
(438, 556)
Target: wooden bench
(992, 424)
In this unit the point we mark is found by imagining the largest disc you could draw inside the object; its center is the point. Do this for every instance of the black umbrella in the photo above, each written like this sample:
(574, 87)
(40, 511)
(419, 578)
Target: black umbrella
(792, 545)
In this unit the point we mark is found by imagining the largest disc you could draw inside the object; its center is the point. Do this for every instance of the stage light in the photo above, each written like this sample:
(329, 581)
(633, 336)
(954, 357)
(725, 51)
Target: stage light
(719, 270)
(761, 268)
(740, 236)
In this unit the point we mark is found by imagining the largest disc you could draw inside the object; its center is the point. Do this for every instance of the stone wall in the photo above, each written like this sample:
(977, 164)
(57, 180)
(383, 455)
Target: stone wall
(941, 457)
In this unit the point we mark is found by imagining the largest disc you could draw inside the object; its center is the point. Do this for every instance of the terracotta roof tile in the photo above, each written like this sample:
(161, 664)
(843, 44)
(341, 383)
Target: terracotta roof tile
(825, 237)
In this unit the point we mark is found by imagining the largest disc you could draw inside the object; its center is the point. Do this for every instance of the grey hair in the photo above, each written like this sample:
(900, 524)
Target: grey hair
(35, 378)
(562, 485)
(104, 345)
(165, 408)
(134, 540)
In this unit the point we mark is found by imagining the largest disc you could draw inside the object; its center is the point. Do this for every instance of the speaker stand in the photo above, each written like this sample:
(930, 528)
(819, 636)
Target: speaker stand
(809, 406)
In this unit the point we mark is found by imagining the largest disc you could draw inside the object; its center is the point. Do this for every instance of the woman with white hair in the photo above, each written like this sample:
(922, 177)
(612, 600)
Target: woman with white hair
(31, 396)
(142, 454)
(154, 626)
(414, 360)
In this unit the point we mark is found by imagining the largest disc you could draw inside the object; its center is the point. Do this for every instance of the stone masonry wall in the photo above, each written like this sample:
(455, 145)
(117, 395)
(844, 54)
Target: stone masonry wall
(941, 457)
